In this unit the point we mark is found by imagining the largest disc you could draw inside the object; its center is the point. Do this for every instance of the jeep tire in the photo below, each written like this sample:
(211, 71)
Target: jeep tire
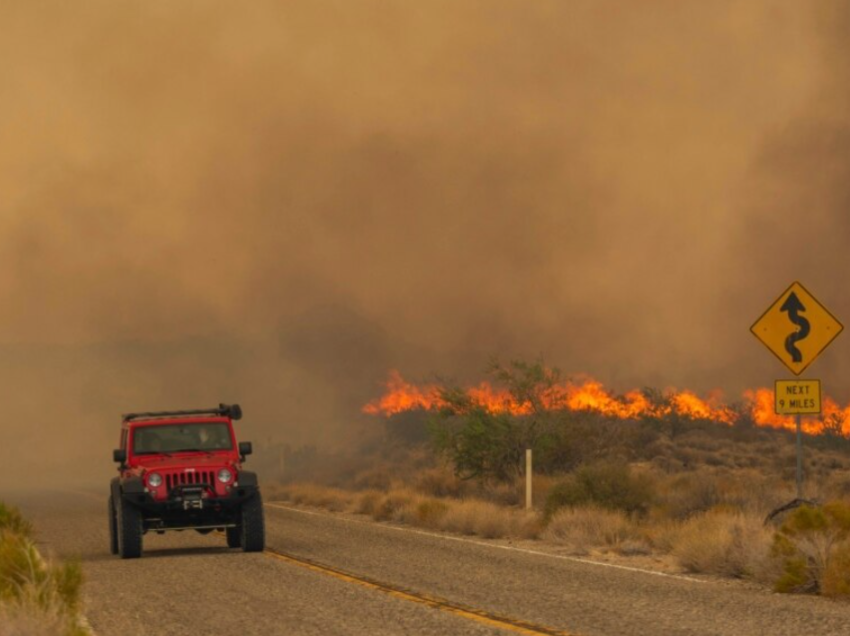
(113, 528)
(234, 537)
(129, 531)
(253, 529)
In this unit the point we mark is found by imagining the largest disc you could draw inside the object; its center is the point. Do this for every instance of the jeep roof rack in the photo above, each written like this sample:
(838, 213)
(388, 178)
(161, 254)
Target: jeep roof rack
(233, 411)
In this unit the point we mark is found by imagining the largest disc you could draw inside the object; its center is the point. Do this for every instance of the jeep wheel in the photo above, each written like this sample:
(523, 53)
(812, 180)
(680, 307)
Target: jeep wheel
(234, 537)
(129, 531)
(253, 528)
(113, 528)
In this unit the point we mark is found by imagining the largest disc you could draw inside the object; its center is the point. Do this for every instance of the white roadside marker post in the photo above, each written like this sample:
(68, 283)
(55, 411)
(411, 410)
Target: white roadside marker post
(528, 479)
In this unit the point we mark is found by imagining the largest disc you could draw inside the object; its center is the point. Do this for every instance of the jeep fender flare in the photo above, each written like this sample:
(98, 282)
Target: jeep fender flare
(247, 479)
(131, 486)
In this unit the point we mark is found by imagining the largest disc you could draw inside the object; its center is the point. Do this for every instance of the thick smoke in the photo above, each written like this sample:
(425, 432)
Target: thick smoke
(277, 203)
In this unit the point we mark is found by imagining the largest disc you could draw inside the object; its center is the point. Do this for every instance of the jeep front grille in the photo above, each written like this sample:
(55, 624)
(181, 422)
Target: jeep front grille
(173, 480)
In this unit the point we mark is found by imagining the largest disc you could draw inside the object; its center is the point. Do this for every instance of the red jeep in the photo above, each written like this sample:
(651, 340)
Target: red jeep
(182, 470)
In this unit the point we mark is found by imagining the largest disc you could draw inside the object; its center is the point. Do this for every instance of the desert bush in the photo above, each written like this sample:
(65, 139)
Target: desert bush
(373, 479)
(393, 506)
(751, 492)
(582, 529)
(367, 502)
(605, 485)
(429, 512)
(686, 494)
(662, 533)
(836, 576)
(837, 486)
(722, 542)
(36, 596)
(439, 482)
(489, 445)
(682, 495)
(813, 544)
(470, 517)
(478, 518)
(314, 495)
(25, 575)
(12, 521)
(508, 494)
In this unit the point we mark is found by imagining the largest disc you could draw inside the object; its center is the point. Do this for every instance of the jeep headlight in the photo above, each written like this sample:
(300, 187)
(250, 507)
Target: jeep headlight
(224, 475)
(154, 480)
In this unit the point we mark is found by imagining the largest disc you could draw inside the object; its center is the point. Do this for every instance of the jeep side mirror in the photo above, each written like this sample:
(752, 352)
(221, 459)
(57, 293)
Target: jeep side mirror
(245, 448)
(119, 456)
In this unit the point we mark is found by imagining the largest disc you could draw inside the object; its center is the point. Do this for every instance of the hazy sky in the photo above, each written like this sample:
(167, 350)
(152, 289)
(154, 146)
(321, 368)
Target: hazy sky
(277, 202)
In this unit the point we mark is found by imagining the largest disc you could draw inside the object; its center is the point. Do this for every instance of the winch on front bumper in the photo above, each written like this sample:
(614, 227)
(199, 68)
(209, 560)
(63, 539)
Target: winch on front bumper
(193, 506)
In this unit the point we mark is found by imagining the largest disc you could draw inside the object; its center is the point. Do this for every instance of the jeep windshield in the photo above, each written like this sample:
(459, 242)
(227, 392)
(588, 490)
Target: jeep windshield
(164, 439)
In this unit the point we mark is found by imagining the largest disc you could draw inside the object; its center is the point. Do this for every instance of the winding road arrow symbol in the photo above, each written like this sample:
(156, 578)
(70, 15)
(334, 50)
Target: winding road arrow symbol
(794, 307)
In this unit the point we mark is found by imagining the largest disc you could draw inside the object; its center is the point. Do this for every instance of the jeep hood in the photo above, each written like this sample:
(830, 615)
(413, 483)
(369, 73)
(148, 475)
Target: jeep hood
(186, 461)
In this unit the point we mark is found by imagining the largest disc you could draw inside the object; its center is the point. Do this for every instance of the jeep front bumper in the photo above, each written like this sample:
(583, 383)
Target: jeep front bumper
(191, 508)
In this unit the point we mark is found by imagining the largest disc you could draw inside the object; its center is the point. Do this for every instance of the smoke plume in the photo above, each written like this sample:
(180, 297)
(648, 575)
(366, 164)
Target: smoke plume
(276, 203)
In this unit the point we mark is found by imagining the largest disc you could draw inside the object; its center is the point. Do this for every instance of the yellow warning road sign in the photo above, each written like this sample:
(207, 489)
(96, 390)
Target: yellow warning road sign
(796, 328)
(797, 397)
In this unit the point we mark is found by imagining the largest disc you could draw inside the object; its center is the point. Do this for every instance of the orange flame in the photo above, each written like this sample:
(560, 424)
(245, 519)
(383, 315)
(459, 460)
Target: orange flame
(402, 396)
(590, 395)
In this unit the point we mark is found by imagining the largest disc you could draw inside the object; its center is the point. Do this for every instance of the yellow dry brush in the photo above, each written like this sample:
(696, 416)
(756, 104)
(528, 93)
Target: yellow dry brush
(36, 595)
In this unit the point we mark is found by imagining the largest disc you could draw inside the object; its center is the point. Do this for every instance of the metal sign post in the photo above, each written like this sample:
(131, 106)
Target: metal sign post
(799, 456)
(798, 398)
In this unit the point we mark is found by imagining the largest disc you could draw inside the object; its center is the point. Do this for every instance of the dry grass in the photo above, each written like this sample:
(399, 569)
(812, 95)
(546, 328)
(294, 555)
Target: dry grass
(709, 518)
(725, 543)
(584, 529)
(836, 576)
(367, 502)
(36, 596)
(396, 505)
(429, 513)
(405, 505)
(31, 621)
(333, 499)
(480, 518)
(439, 481)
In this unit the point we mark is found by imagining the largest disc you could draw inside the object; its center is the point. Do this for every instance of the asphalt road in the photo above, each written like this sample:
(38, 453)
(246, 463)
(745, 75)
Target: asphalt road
(326, 574)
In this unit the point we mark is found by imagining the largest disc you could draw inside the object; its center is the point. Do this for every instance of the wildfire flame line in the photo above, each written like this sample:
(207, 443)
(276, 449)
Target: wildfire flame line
(590, 395)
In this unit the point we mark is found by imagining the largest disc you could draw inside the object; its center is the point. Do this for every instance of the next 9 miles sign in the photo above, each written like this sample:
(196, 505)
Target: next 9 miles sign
(797, 397)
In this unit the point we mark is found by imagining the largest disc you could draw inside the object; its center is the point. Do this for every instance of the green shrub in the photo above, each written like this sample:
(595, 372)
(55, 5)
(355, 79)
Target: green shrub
(606, 485)
(814, 545)
(490, 446)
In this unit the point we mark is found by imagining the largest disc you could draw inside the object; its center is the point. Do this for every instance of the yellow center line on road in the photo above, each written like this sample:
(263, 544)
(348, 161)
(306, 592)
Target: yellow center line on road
(479, 616)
